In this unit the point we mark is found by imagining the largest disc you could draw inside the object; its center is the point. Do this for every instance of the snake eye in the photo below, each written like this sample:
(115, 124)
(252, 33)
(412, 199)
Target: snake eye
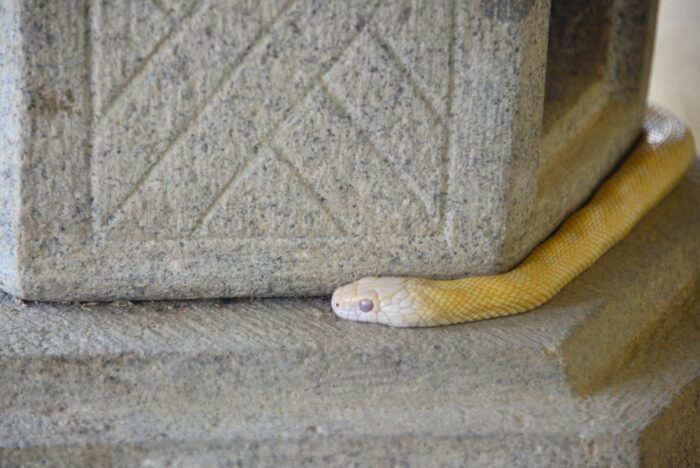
(366, 305)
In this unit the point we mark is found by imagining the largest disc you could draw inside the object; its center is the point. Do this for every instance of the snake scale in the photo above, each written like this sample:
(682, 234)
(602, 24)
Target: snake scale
(657, 164)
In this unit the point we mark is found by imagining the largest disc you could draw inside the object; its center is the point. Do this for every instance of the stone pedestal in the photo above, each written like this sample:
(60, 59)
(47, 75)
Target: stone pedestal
(178, 149)
(606, 374)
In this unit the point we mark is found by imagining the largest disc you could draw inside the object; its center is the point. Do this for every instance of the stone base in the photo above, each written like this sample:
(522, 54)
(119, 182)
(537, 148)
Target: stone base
(607, 373)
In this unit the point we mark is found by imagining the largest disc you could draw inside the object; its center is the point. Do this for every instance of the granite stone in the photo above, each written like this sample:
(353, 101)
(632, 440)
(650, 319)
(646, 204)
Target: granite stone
(10, 141)
(605, 374)
(207, 148)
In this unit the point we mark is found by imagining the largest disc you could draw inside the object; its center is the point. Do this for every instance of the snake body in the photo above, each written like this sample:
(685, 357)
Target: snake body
(657, 164)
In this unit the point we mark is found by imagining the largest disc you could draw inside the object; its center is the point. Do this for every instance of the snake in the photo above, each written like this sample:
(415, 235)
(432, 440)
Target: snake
(663, 154)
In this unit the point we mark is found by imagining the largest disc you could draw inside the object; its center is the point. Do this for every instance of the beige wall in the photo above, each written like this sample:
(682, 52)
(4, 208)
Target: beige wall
(675, 79)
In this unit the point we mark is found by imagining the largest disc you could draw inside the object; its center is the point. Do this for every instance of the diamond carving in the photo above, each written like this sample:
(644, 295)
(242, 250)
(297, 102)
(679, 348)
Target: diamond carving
(324, 118)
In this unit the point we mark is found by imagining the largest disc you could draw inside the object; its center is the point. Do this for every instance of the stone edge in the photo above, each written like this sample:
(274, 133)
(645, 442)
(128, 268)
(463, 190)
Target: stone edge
(11, 140)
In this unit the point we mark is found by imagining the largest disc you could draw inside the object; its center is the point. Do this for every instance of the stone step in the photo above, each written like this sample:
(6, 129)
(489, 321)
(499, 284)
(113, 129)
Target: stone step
(194, 382)
(628, 422)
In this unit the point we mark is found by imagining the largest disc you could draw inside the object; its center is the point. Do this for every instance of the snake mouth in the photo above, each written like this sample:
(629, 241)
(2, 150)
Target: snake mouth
(335, 300)
(340, 305)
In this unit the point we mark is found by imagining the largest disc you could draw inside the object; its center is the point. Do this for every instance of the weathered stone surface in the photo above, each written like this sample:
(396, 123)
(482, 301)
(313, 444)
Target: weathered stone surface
(605, 374)
(11, 140)
(163, 149)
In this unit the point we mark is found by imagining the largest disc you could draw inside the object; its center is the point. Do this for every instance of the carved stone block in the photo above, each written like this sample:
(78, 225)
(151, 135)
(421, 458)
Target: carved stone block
(163, 148)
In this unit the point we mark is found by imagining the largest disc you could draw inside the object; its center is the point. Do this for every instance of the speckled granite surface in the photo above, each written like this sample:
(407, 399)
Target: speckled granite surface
(203, 148)
(605, 374)
(11, 141)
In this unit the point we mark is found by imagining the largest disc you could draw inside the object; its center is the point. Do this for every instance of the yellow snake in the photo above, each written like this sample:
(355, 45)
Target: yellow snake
(650, 172)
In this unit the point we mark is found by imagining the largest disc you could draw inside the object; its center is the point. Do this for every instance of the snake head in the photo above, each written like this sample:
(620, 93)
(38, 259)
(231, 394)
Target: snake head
(372, 299)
